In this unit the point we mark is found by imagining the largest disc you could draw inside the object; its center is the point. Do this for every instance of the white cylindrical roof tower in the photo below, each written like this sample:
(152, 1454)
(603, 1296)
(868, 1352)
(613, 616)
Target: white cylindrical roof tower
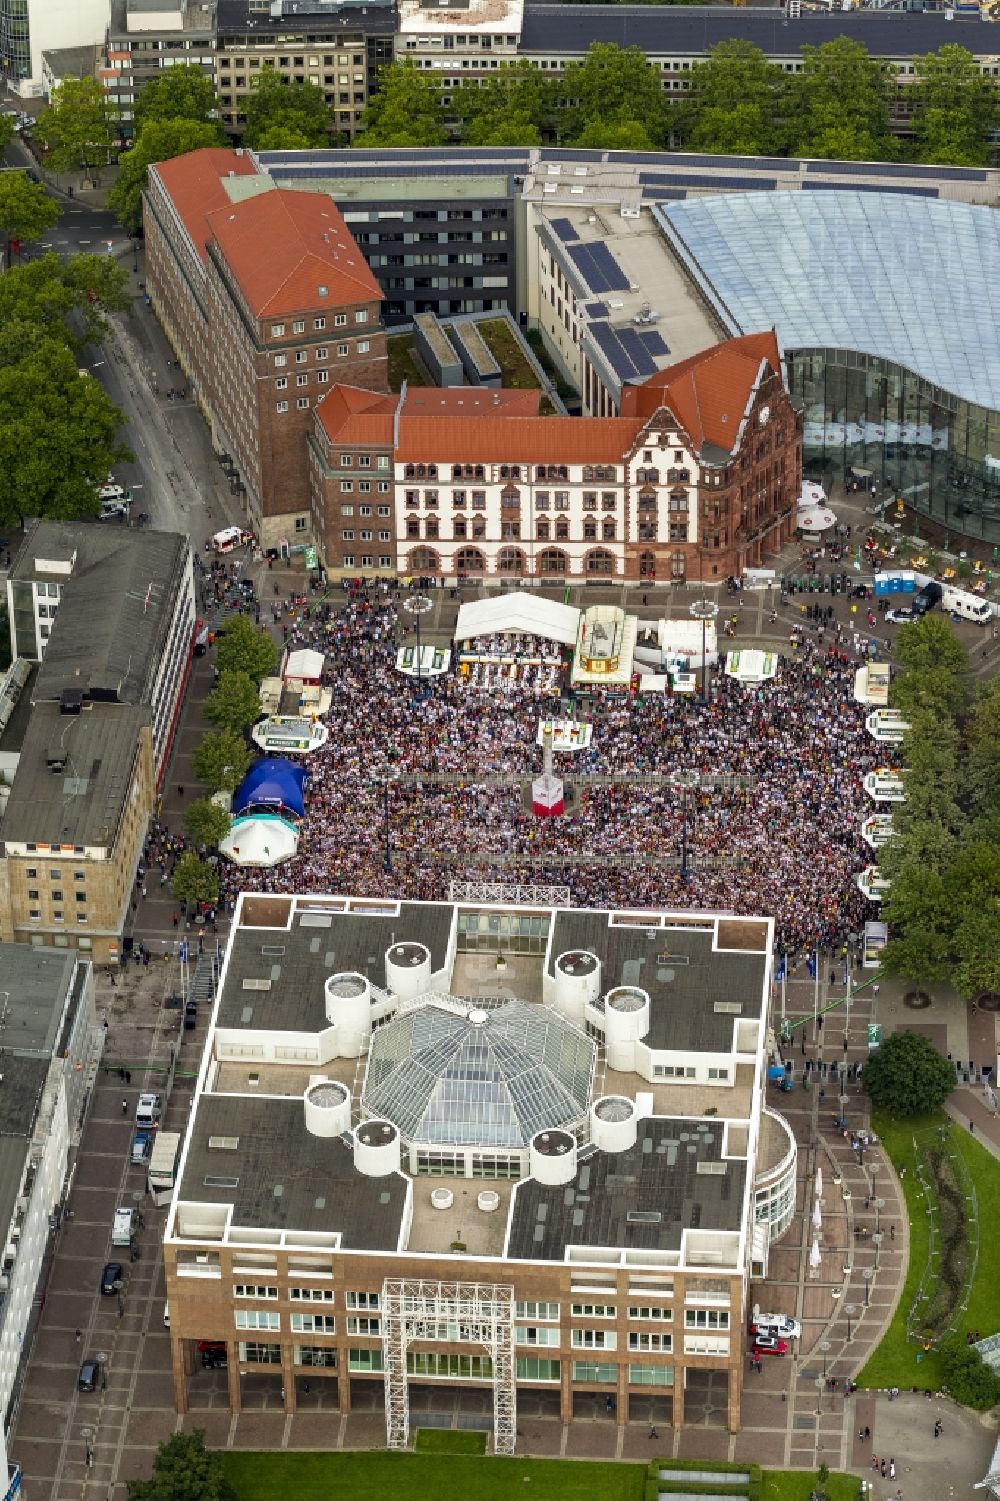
(578, 980)
(328, 1108)
(552, 1157)
(408, 969)
(614, 1123)
(376, 1149)
(349, 1009)
(626, 1020)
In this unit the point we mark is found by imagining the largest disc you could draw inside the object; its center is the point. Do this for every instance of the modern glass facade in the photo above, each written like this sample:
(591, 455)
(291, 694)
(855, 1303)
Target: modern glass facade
(887, 308)
(15, 40)
(940, 453)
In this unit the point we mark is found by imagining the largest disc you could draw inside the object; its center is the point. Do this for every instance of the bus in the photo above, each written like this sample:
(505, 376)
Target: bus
(163, 1162)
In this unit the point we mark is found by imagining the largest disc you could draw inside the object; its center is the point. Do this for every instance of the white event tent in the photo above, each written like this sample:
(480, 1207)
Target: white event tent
(522, 612)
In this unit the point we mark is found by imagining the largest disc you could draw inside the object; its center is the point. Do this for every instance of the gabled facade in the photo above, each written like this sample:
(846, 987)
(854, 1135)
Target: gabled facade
(698, 478)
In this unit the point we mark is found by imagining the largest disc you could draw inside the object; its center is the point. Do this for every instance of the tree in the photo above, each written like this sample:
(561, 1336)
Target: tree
(234, 703)
(184, 1470)
(67, 299)
(158, 141)
(405, 111)
(6, 131)
(934, 690)
(907, 1076)
(955, 108)
(919, 918)
(221, 761)
(510, 107)
(287, 138)
(930, 642)
(194, 882)
(26, 210)
(183, 92)
(243, 647)
(982, 767)
(977, 956)
(610, 86)
(967, 1376)
(840, 104)
(275, 102)
(206, 822)
(58, 429)
(76, 127)
(735, 102)
(615, 135)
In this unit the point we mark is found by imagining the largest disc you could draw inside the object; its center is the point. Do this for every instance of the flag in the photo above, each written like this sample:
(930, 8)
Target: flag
(812, 964)
(782, 969)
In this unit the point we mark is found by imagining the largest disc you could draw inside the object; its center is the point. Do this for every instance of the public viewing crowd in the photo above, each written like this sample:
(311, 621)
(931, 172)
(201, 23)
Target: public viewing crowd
(773, 827)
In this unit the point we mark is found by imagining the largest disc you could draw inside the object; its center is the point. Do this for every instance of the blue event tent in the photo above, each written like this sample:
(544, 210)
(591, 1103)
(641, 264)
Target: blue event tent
(274, 785)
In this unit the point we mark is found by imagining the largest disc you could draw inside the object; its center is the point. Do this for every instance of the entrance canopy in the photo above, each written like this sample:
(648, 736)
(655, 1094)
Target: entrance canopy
(527, 613)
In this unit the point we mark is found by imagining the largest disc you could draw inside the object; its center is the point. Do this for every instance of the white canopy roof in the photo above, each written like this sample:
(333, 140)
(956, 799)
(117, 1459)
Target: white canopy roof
(518, 612)
(261, 839)
(304, 664)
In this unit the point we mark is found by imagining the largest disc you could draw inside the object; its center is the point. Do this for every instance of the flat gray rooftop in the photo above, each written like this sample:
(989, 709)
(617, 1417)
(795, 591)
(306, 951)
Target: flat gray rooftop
(286, 1178)
(641, 1199)
(33, 986)
(683, 988)
(298, 962)
(81, 805)
(115, 606)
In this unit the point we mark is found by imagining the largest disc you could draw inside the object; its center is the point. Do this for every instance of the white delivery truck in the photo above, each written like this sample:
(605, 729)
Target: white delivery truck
(162, 1174)
(126, 1224)
(966, 605)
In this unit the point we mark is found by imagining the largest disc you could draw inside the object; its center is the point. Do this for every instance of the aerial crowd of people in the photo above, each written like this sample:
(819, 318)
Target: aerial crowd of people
(764, 818)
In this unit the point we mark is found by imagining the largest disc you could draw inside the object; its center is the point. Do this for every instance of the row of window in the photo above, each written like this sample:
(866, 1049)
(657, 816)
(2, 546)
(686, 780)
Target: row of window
(299, 326)
(511, 530)
(347, 535)
(305, 1323)
(363, 346)
(591, 1339)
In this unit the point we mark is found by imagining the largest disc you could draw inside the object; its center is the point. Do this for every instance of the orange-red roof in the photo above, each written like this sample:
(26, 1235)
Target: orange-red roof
(195, 185)
(290, 251)
(351, 415)
(709, 392)
(533, 440)
(458, 401)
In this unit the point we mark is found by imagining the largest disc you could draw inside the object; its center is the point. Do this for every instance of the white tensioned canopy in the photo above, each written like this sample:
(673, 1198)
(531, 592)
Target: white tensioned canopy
(518, 612)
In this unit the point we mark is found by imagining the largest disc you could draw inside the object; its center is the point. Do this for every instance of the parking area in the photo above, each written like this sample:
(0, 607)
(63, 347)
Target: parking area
(118, 1425)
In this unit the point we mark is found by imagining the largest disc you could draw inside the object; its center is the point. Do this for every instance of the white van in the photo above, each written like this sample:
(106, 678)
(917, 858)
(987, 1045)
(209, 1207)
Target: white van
(227, 539)
(778, 1324)
(967, 606)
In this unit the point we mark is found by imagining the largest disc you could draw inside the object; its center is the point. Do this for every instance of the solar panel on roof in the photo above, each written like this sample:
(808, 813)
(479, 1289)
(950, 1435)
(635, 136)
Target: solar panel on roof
(596, 310)
(870, 187)
(636, 351)
(896, 169)
(583, 259)
(610, 345)
(613, 274)
(655, 343)
(564, 230)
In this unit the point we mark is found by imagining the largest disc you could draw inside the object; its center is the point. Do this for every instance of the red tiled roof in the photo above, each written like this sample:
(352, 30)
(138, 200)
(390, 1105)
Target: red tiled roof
(349, 414)
(195, 185)
(459, 401)
(709, 392)
(283, 246)
(532, 440)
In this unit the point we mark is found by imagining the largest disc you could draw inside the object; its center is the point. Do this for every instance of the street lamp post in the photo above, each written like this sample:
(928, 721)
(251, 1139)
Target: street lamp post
(703, 610)
(87, 1433)
(135, 253)
(868, 1273)
(877, 1241)
(387, 774)
(820, 1383)
(417, 606)
(850, 1309)
(685, 780)
(879, 1206)
(824, 1346)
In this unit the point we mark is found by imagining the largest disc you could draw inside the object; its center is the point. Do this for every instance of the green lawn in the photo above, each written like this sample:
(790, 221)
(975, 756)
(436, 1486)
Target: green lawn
(403, 364)
(895, 1362)
(797, 1485)
(376, 1475)
(414, 1477)
(450, 1441)
(515, 369)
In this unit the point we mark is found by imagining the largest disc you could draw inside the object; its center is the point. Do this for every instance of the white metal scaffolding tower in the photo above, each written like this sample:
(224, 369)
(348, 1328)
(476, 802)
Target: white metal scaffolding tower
(476, 1313)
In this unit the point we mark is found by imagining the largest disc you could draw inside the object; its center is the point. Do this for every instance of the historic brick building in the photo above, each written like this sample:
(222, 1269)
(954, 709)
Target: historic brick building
(699, 477)
(266, 300)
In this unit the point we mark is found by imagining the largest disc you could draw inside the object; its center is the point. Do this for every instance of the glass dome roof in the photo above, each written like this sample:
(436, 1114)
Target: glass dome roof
(483, 1077)
(911, 279)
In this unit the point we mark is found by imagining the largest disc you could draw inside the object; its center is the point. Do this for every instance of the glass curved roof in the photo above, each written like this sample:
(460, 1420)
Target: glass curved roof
(913, 280)
(490, 1077)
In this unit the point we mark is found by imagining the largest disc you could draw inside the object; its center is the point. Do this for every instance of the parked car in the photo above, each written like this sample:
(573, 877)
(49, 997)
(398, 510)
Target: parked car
(112, 1278)
(769, 1344)
(147, 1111)
(899, 616)
(142, 1145)
(90, 1374)
(190, 1015)
(780, 1324)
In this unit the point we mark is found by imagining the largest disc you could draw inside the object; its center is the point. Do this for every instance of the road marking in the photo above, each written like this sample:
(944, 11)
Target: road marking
(85, 242)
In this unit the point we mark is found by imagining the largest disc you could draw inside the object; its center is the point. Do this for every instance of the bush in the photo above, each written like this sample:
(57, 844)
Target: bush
(968, 1378)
